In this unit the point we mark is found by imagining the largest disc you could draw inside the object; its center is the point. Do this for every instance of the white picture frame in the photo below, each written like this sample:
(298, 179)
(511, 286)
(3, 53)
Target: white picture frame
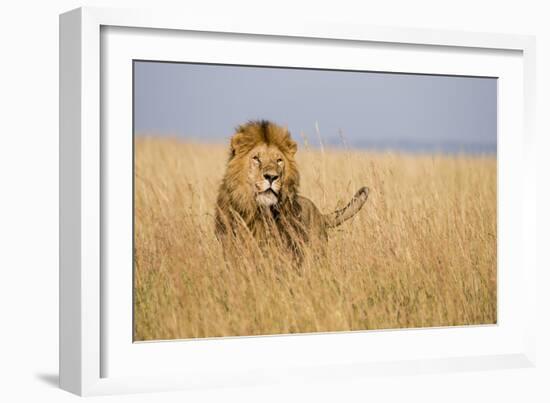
(96, 355)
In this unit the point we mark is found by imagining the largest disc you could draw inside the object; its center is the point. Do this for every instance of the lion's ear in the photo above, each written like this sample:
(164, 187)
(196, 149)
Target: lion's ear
(292, 146)
(237, 142)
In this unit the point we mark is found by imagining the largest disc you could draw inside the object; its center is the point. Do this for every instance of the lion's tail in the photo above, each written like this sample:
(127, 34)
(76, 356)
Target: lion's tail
(339, 216)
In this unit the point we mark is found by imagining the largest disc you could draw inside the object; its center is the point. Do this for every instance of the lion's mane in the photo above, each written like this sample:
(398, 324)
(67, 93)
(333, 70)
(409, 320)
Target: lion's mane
(235, 197)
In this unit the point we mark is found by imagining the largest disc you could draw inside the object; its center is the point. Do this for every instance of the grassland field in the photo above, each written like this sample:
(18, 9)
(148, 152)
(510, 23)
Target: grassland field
(421, 253)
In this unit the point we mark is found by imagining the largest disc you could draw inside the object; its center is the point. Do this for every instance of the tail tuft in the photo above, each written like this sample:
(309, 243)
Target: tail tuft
(339, 216)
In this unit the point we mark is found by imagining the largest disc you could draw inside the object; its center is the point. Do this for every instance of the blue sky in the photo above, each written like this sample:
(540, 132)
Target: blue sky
(371, 110)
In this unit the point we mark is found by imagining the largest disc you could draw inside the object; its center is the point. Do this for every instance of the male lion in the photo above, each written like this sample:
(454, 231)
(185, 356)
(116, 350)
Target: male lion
(258, 197)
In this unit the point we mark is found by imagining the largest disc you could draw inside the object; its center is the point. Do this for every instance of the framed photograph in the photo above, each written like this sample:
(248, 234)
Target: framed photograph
(247, 203)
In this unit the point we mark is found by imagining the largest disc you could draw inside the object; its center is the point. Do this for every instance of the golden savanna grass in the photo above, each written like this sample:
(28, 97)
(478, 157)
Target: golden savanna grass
(421, 252)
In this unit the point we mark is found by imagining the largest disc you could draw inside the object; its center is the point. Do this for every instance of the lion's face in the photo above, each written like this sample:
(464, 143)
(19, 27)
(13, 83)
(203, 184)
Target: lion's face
(266, 173)
(261, 171)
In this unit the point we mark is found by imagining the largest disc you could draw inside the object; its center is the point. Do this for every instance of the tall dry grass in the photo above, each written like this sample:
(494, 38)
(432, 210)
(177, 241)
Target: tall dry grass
(421, 252)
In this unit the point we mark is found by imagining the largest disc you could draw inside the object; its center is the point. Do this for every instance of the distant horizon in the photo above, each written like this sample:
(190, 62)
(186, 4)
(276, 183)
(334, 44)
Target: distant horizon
(337, 144)
(372, 111)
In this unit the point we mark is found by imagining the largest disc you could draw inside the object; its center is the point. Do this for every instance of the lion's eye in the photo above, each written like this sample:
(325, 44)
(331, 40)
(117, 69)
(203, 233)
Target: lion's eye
(280, 161)
(256, 159)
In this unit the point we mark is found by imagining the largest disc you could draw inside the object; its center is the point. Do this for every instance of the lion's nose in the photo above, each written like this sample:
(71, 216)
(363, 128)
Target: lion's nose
(271, 178)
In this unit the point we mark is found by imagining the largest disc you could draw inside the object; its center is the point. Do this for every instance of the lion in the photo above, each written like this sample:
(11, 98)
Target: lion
(258, 196)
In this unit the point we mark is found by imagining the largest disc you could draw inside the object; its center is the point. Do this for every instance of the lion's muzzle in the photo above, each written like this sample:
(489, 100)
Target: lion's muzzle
(268, 190)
